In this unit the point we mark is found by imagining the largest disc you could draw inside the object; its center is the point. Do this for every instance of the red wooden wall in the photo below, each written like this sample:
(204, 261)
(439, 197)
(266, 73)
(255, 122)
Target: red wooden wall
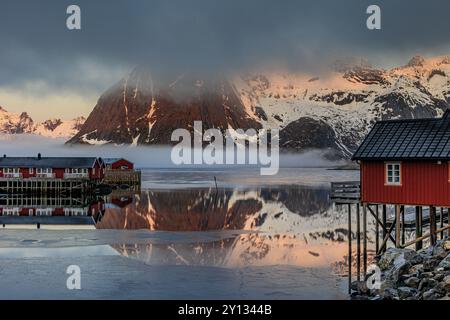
(122, 163)
(423, 183)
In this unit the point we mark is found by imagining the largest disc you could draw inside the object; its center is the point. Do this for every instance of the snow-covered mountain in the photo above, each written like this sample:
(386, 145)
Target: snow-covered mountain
(332, 110)
(15, 123)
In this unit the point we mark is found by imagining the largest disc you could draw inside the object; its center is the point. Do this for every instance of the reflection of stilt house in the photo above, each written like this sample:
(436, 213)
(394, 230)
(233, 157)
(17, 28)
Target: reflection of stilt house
(54, 211)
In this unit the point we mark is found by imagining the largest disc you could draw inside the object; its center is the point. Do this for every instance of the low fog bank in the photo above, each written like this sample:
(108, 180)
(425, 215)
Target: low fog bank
(142, 156)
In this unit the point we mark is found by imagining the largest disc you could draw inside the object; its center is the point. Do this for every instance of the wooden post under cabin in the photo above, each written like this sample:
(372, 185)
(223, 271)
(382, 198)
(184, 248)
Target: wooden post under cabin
(377, 230)
(448, 221)
(364, 239)
(358, 243)
(384, 214)
(419, 231)
(441, 217)
(349, 247)
(402, 208)
(433, 226)
(397, 225)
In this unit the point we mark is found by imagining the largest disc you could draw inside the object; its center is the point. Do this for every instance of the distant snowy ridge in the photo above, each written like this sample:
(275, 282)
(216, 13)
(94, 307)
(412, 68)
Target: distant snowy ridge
(332, 111)
(15, 123)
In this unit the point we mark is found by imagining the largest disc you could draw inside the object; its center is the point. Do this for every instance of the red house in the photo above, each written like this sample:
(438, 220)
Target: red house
(51, 168)
(118, 164)
(406, 162)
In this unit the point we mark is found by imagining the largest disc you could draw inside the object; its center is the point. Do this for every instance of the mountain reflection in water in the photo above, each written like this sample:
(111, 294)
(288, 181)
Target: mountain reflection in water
(286, 226)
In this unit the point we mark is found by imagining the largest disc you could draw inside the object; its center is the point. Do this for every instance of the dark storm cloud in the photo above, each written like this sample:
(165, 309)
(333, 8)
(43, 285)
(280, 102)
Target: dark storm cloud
(209, 34)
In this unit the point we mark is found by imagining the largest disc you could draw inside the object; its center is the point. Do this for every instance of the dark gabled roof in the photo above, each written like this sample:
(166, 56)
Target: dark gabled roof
(111, 160)
(56, 162)
(419, 139)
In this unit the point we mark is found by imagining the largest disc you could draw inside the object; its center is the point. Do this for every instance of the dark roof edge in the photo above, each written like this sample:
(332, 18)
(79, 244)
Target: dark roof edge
(400, 159)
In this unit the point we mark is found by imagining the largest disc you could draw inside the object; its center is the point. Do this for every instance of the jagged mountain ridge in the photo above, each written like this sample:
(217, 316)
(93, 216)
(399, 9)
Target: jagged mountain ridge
(333, 111)
(15, 123)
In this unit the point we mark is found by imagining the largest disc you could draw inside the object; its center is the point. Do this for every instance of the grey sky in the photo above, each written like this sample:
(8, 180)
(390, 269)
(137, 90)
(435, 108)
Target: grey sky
(210, 34)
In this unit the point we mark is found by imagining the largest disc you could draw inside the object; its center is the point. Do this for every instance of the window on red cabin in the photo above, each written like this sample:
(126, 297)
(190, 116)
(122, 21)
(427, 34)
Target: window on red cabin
(393, 173)
(31, 170)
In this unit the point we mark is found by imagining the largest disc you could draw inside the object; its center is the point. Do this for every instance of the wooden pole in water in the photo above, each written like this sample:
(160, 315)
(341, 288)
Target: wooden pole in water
(364, 240)
(349, 247)
(384, 217)
(358, 243)
(448, 220)
(377, 230)
(433, 226)
(215, 182)
(397, 225)
(419, 222)
(402, 208)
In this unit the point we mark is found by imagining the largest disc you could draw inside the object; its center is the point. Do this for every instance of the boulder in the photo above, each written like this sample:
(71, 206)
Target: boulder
(390, 294)
(439, 251)
(431, 263)
(427, 283)
(446, 282)
(406, 292)
(360, 287)
(394, 256)
(445, 263)
(416, 269)
(412, 282)
(431, 294)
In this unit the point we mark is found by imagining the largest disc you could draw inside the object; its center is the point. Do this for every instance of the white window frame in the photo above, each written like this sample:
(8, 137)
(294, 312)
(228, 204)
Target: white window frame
(44, 170)
(31, 170)
(393, 173)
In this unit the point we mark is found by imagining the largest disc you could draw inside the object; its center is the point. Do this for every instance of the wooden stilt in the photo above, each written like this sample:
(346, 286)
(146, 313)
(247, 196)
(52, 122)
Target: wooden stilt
(448, 221)
(358, 243)
(441, 217)
(433, 226)
(377, 230)
(364, 240)
(397, 225)
(402, 209)
(384, 214)
(419, 225)
(349, 247)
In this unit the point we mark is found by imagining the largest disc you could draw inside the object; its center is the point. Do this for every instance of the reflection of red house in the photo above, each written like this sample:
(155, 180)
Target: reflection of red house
(25, 210)
(122, 202)
(406, 162)
(51, 168)
(118, 164)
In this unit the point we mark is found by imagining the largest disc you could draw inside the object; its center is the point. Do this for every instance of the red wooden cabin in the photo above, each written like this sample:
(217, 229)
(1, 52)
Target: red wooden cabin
(406, 162)
(118, 164)
(51, 168)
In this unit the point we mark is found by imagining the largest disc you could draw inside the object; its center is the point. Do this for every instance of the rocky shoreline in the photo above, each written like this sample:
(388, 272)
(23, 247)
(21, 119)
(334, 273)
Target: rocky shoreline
(406, 274)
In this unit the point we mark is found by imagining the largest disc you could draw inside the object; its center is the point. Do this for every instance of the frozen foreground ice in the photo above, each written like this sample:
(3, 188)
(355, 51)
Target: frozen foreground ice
(33, 265)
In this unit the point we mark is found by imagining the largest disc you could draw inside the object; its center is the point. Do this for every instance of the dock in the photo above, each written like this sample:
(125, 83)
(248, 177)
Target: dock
(130, 178)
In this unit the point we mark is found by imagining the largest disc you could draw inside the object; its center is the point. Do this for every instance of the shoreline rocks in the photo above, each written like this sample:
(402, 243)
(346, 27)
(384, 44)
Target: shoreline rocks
(404, 274)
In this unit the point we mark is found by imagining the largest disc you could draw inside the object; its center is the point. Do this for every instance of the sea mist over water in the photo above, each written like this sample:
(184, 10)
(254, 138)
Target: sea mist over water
(24, 145)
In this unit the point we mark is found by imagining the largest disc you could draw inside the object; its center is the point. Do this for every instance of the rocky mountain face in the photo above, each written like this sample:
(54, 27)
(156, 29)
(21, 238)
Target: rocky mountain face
(333, 111)
(143, 110)
(14, 123)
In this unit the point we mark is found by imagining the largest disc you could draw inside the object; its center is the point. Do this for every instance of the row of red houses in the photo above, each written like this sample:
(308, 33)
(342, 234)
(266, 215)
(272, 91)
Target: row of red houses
(91, 168)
